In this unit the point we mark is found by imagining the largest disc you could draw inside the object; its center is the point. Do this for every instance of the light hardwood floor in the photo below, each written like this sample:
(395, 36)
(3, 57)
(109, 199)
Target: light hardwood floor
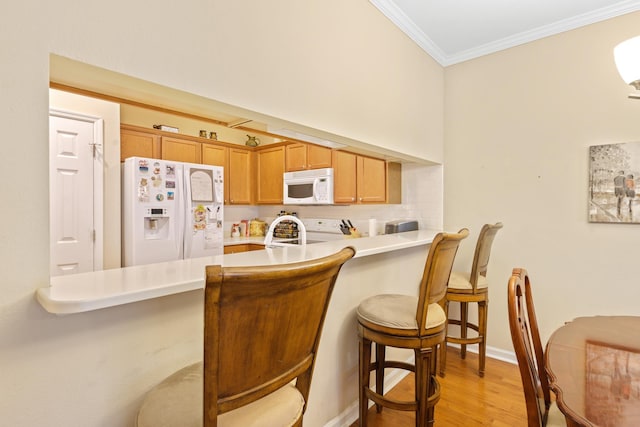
(466, 400)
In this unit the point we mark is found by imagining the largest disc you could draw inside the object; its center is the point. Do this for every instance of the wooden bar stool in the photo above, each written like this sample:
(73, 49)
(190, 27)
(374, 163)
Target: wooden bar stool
(468, 288)
(411, 322)
(262, 328)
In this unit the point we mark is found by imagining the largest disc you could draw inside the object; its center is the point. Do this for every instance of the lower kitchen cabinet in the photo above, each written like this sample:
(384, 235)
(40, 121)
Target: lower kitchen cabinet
(245, 247)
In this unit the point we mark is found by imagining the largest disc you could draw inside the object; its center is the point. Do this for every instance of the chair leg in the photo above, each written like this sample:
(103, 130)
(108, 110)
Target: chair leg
(364, 348)
(443, 346)
(464, 311)
(425, 368)
(380, 359)
(483, 308)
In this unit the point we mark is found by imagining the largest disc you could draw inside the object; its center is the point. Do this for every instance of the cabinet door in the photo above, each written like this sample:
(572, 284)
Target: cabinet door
(371, 180)
(138, 144)
(181, 150)
(270, 172)
(307, 156)
(296, 157)
(235, 249)
(318, 157)
(217, 155)
(239, 166)
(344, 170)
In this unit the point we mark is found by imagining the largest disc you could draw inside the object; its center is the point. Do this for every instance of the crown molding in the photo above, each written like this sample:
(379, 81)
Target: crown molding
(400, 19)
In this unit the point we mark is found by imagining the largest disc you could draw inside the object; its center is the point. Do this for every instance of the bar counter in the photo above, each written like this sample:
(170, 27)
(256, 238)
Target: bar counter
(383, 264)
(101, 289)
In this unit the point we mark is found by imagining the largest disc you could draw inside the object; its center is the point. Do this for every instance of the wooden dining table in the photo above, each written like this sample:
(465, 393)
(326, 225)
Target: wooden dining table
(593, 365)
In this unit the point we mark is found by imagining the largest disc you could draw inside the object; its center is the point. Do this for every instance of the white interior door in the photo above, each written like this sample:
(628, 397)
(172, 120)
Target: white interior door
(74, 148)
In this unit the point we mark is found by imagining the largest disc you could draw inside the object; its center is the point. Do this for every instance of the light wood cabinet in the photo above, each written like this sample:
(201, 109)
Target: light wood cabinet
(255, 175)
(215, 155)
(240, 176)
(218, 155)
(371, 180)
(135, 143)
(237, 171)
(181, 150)
(243, 247)
(362, 179)
(269, 173)
(344, 177)
(307, 156)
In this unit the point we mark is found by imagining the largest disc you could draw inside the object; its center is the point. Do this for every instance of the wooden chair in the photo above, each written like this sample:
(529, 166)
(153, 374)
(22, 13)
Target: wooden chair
(541, 411)
(262, 328)
(468, 288)
(411, 322)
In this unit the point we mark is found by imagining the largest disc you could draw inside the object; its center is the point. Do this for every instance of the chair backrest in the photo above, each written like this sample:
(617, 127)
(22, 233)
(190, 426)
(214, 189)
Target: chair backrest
(483, 252)
(262, 328)
(437, 269)
(528, 347)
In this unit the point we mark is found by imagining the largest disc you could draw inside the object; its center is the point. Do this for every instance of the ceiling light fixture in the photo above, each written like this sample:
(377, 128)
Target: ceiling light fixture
(627, 57)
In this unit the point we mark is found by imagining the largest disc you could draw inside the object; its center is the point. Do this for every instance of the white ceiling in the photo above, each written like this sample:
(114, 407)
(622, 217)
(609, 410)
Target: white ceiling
(453, 31)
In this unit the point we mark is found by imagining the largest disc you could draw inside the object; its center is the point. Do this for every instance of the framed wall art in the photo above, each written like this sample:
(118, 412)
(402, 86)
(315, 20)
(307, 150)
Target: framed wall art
(614, 171)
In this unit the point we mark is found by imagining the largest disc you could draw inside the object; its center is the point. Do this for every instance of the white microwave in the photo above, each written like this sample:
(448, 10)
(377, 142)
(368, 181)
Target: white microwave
(311, 187)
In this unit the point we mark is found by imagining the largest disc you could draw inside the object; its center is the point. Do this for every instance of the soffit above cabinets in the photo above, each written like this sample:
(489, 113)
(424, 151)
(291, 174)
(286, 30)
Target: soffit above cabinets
(456, 31)
(85, 79)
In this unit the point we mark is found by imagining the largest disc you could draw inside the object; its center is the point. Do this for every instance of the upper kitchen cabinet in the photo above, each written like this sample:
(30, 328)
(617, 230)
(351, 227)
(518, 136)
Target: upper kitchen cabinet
(307, 156)
(215, 155)
(362, 179)
(218, 155)
(135, 143)
(181, 150)
(344, 177)
(239, 167)
(371, 180)
(270, 170)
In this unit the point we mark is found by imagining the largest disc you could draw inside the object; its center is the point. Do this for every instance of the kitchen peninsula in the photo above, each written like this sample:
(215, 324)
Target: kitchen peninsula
(390, 263)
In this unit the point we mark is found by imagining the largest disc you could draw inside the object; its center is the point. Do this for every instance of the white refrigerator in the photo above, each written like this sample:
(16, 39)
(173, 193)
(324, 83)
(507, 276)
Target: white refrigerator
(171, 210)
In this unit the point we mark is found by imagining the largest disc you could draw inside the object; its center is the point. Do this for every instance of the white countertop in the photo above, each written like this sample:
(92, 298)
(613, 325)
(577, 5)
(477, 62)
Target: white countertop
(91, 291)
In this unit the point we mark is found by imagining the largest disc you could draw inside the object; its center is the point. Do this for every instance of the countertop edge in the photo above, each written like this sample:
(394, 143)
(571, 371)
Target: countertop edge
(109, 288)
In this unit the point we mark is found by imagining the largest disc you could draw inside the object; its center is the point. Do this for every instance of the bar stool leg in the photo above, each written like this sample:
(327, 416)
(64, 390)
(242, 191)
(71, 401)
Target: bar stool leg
(365, 373)
(464, 311)
(443, 346)
(425, 368)
(483, 308)
(380, 359)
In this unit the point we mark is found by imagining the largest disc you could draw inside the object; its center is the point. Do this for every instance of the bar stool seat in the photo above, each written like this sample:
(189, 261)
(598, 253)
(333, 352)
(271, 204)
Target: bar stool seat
(409, 322)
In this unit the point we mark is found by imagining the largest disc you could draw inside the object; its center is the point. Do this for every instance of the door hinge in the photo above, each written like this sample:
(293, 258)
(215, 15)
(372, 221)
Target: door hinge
(94, 147)
(93, 235)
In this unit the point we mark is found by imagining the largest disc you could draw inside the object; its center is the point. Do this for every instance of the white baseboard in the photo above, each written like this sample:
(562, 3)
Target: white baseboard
(391, 379)
(351, 414)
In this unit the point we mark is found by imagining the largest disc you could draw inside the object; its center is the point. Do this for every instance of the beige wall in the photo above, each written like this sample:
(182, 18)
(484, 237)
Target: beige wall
(518, 125)
(337, 66)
